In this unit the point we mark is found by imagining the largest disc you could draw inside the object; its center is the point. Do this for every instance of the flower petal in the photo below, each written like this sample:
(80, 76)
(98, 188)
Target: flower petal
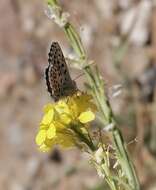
(47, 107)
(47, 118)
(86, 117)
(65, 119)
(41, 136)
(62, 107)
(44, 148)
(51, 132)
(66, 140)
(59, 126)
(43, 126)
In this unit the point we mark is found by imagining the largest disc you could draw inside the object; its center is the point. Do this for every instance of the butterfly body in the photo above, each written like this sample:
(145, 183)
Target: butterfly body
(59, 82)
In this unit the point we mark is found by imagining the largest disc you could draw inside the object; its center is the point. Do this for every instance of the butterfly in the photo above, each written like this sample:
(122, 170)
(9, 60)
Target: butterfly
(58, 80)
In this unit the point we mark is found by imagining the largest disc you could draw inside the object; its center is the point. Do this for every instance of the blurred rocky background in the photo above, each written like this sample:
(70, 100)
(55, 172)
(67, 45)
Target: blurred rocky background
(120, 35)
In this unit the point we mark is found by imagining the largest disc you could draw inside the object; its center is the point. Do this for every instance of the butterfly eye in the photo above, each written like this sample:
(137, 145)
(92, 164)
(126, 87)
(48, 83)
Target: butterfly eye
(62, 65)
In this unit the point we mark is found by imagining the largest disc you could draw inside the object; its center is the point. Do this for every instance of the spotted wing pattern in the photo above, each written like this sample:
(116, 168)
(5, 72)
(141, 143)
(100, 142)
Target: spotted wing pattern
(58, 80)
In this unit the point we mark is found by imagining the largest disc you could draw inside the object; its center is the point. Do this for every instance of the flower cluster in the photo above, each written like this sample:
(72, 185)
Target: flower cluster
(60, 118)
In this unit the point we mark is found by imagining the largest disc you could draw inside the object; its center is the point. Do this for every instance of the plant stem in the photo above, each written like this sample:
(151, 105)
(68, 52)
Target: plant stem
(124, 159)
(83, 138)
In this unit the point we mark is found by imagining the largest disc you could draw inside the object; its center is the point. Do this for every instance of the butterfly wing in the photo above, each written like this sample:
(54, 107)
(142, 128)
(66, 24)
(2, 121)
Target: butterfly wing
(59, 82)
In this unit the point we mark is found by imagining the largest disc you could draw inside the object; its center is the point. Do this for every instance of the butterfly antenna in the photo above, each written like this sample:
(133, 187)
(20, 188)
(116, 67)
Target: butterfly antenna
(80, 75)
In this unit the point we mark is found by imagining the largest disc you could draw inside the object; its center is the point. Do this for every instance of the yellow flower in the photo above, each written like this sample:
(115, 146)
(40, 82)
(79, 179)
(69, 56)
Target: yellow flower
(56, 127)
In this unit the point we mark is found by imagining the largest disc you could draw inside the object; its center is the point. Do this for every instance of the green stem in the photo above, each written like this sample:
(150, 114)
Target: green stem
(84, 139)
(74, 40)
(124, 160)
